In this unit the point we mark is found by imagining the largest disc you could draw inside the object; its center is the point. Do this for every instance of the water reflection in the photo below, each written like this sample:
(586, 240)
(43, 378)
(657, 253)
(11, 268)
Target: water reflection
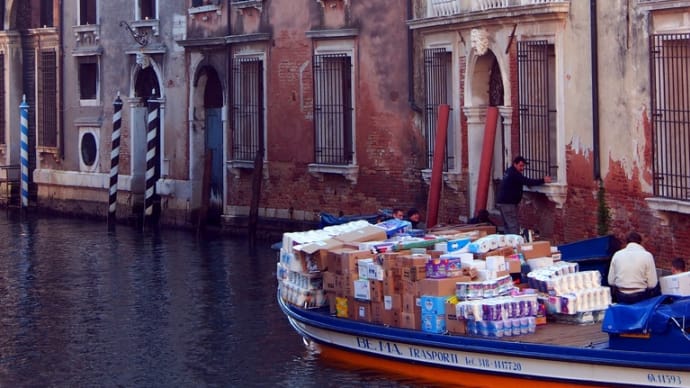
(81, 306)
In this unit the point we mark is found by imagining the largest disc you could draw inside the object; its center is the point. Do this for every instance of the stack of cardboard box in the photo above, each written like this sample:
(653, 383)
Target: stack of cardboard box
(364, 275)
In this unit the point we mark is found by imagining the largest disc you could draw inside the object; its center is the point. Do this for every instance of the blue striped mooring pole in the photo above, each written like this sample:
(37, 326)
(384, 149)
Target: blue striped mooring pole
(151, 139)
(24, 154)
(114, 158)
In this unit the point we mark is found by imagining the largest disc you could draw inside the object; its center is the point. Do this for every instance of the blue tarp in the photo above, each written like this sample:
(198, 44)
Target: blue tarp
(649, 316)
(330, 219)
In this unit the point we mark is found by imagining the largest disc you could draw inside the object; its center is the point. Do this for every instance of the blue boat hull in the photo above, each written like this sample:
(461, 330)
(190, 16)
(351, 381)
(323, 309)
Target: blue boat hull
(490, 357)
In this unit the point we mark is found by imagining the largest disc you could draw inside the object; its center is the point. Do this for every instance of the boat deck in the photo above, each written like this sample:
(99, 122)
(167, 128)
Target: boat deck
(584, 335)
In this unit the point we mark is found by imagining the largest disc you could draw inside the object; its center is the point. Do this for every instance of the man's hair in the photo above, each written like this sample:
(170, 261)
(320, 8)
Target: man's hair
(519, 159)
(634, 237)
(678, 263)
(412, 212)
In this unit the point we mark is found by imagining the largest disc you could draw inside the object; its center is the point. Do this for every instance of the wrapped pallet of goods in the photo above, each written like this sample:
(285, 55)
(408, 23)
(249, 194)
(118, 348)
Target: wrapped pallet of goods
(457, 282)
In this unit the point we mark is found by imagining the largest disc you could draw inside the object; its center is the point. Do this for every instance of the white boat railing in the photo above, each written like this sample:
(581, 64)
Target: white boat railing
(454, 7)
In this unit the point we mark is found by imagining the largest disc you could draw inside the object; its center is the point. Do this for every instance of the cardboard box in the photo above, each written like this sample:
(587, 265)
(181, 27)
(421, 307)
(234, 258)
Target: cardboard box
(433, 323)
(361, 289)
(392, 283)
(453, 324)
(513, 265)
(366, 233)
(456, 326)
(505, 251)
(377, 312)
(343, 285)
(415, 260)
(315, 254)
(535, 249)
(376, 290)
(410, 303)
(414, 273)
(362, 311)
(434, 305)
(334, 260)
(678, 284)
(343, 261)
(440, 287)
(410, 321)
(392, 302)
(391, 318)
(329, 281)
(408, 287)
(390, 260)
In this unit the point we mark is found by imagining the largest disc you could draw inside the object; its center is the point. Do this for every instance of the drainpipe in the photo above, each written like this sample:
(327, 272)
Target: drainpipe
(595, 88)
(61, 103)
(410, 62)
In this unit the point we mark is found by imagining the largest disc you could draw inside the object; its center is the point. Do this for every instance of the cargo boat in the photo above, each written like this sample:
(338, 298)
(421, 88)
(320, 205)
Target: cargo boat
(557, 355)
(645, 344)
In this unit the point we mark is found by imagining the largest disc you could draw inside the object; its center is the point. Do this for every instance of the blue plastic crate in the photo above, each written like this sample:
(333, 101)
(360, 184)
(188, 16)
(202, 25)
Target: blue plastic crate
(590, 254)
(585, 249)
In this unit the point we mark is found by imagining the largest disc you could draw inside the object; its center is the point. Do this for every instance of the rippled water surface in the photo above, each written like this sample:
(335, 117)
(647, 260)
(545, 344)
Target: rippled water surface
(81, 306)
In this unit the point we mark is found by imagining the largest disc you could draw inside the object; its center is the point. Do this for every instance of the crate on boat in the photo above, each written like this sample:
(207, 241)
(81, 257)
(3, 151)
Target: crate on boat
(591, 254)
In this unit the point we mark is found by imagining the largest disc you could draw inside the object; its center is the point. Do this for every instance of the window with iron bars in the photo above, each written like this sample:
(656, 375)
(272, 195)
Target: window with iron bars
(438, 90)
(247, 106)
(670, 89)
(537, 107)
(2, 99)
(47, 100)
(333, 130)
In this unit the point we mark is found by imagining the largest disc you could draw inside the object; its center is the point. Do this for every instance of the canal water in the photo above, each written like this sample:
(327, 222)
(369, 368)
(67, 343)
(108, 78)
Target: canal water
(84, 307)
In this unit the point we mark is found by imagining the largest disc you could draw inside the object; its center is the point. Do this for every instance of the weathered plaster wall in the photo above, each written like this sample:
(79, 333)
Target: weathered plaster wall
(387, 150)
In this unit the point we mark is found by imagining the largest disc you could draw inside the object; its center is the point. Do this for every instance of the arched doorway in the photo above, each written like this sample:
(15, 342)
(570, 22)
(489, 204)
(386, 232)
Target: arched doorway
(209, 84)
(146, 87)
(485, 88)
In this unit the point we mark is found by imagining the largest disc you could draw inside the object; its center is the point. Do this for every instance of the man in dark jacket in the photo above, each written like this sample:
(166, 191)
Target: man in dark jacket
(510, 193)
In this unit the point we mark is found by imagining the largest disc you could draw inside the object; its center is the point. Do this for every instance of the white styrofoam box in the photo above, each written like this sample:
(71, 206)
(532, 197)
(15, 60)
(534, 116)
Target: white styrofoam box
(540, 262)
(476, 264)
(678, 284)
(495, 263)
(362, 289)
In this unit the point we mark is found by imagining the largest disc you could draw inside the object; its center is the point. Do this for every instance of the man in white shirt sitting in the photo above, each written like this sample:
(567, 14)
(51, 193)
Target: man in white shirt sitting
(632, 273)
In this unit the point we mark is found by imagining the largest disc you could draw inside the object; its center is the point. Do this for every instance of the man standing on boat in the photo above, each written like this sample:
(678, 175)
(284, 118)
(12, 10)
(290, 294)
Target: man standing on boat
(632, 273)
(510, 193)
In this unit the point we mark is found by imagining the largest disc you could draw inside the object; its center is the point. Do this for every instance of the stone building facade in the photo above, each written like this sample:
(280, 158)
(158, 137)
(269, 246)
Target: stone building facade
(298, 107)
(592, 94)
